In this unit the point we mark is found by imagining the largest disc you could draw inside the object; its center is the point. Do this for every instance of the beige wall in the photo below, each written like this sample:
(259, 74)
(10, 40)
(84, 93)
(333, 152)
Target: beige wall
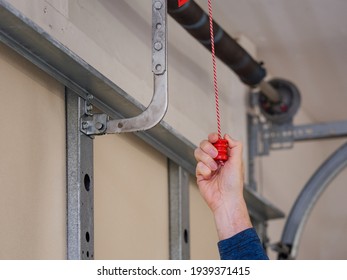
(324, 236)
(131, 177)
(131, 204)
(32, 164)
(131, 199)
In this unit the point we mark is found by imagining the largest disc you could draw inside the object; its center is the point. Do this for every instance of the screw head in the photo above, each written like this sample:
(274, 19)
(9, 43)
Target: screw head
(89, 108)
(158, 46)
(84, 125)
(158, 5)
(158, 67)
(99, 126)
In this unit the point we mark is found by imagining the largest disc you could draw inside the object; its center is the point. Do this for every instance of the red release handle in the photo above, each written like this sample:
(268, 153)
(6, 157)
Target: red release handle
(222, 147)
(182, 2)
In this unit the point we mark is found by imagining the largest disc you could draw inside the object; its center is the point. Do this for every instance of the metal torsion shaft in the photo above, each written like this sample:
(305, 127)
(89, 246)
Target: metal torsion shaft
(194, 19)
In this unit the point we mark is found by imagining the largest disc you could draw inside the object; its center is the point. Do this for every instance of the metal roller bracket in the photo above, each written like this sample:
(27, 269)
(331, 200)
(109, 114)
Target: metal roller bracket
(154, 113)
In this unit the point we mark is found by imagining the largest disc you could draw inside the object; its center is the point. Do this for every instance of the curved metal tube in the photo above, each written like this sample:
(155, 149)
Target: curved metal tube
(307, 199)
(158, 106)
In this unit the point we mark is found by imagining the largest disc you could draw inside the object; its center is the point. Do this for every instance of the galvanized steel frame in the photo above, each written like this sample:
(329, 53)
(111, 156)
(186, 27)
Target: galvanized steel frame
(80, 182)
(179, 227)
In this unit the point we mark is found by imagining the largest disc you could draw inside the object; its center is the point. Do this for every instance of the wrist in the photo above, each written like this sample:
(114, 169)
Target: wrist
(231, 218)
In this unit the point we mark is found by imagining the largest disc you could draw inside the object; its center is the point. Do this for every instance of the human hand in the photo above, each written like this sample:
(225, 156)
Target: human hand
(219, 183)
(222, 186)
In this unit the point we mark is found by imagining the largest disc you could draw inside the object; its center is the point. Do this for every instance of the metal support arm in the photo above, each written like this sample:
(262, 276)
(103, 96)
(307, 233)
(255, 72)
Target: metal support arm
(151, 116)
(154, 113)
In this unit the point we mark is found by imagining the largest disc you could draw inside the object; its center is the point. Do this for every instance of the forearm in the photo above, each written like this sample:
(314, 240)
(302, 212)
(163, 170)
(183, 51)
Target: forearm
(238, 239)
(232, 217)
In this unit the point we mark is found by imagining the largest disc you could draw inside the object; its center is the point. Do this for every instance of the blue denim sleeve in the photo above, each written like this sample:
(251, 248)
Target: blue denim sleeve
(242, 246)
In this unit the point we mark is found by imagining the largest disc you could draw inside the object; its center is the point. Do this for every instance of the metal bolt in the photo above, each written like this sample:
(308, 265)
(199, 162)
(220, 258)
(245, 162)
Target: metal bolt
(99, 126)
(85, 125)
(89, 109)
(158, 5)
(158, 46)
(158, 67)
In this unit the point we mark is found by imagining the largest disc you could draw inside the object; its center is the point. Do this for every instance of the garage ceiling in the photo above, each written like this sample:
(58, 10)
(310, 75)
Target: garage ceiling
(304, 41)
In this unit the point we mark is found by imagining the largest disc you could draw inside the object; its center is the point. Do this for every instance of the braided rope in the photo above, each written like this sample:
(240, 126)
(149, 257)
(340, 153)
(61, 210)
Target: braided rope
(215, 84)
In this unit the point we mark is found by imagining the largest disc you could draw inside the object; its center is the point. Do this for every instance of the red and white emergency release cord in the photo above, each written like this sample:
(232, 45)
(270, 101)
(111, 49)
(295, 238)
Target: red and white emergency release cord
(215, 83)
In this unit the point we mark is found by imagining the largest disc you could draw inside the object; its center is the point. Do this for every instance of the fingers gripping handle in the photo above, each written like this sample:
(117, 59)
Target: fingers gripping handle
(222, 147)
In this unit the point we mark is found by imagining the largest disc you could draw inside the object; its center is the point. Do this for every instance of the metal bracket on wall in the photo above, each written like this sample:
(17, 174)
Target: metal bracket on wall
(154, 113)
(80, 182)
(274, 137)
(277, 137)
(179, 212)
(93, 124)
(264, 135)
